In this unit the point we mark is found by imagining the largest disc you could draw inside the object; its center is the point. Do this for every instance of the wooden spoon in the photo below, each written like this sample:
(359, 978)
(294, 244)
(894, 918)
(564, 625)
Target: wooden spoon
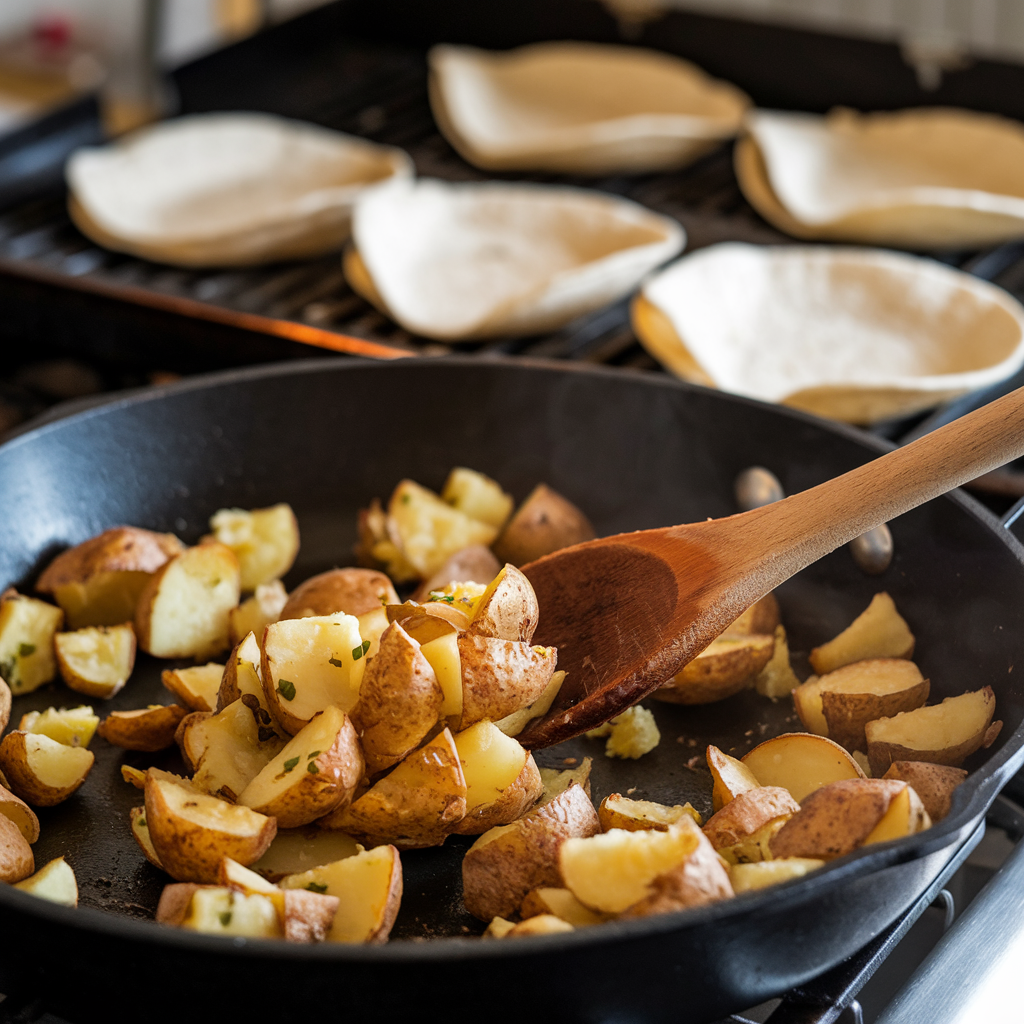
(628, 612)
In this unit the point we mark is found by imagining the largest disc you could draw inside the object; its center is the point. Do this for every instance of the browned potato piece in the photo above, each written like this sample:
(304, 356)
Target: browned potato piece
(133, 776)
(399, 700)
(933, 783)
(97, 660)
(316, 772)
(502, 780)
(140, 832)
(191, 831)
(508, 609)
(16, 860)
(501, 676)
(760, 618)
(562, 904)
(183, 609)
(760, 874)
(5, 705)
(295, 850)
(226, 751)
(242, 674)
(545, 522)
(352, 591)
(475, 564)
(27, 627)
(415, 806)
(74, 727)
(258, 612)
(878, 632)
(777, 678)
(504, 864)
(945, 733)
(265, 541)
(836, 818)
(731, 777)
(749, 812)
(893, 681)
(800, 762)
(42, 771)
(727, 666)
(14, 808)
(98, 582)
(369, 891)
(613, 871)
(197, 687)
(148, 729)
(309, 664)
(617, 811)
(698, 879)
(54, 881)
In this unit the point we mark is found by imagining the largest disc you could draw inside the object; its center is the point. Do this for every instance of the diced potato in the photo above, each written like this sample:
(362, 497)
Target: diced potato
(27, 627)
(221, 911)
(933, 783)
(73, 727)
(541, 924)
(630, 735)
(777, 678)
(148, 729)
(243, 674)
(800, 762)
(731, 777)
(257, 612)
(747, 814)
(16, 859)
(97, 660)
(905, 816)
(19, 812)
(617, 811)
(442, 651)
(42, 771)
(477, 496)
(349, 590)
(498, 928)
(878, 632)
(562, 904)
(754, 847)
(500, 677)
(507, 609)
(197, 687)
(265, 541)
(514, 724)
(727, 666)
(54, 881)
(545, 522)
(475, 564)
(761, 874)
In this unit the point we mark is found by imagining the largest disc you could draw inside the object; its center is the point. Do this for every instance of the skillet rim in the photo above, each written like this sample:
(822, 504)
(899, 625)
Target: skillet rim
(971, 799)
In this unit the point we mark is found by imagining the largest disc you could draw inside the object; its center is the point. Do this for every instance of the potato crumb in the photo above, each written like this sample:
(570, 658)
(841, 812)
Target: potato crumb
(631, 734)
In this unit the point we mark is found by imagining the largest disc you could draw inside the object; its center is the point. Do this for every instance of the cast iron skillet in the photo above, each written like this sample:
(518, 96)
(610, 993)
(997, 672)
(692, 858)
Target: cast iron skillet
(633, 452)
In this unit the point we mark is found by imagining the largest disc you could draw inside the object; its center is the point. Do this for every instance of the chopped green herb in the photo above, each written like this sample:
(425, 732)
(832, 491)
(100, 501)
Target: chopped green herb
(317, 887)
(314, 753)
(383, 602)
(358, 652)
(336, 662)
(7, 671)
(436, 595)
(225, 918)
(286, 689)
(24, 650)
(142, 821)
(290, 763)
(312, 768)
(406, 498)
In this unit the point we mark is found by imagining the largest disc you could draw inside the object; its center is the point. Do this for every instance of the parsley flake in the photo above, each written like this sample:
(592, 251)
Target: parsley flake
(225, 918)
(358, 652)
(290, 763)
(312, 768)
(336, 662)
(142, 821)
(286, 689)
(436, 595)
(315, 753)
(317, 887)
(24, 650)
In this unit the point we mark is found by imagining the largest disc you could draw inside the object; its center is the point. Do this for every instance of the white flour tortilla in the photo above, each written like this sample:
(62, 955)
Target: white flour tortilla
(579, 107)
(226, 189)
(468, 261)
(916, 179)
(855, 334)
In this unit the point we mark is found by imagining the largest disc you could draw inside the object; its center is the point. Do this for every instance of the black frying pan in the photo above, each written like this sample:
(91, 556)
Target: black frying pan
(633, 452)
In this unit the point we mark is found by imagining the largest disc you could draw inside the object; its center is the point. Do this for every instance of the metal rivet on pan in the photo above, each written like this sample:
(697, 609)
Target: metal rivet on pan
(757, 486)
(872, 551)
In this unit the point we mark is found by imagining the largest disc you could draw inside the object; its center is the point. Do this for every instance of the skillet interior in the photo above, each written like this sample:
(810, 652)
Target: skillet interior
(633, 452)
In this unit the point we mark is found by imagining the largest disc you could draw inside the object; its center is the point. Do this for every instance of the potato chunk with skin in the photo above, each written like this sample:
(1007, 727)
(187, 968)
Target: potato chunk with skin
(756, 846)
(613, 871)
(502, 780)
(368, 887)
(14, 808)
(73, 727)
(42, 771)
(800, 762)
(514, 724)
(54, 881)
(97, 660)
(191, 831)
(27, 627)
(905, 816)
(500, 677)
(504, 864)
(415, 806)
(316, 772)
(352, 591)
(478, 496)
(218, 910)
(183, 609)
(545, 522)
(562, 904)
(507, 609)
(777, 678)
(724, 668)
(945, 733)
(475, 564)
(878, 632)
(749, 812)
(617, 811)
(196, 687)
(399, 700)
(761, 874)
(309, 664)
(16, 859)
(140, 833)
(301, 849)
(731, 777)
(98, 582)
(933, 783)
(265, 541)
(148, 729)
(242, 674)
(630, 735)
(257, 612)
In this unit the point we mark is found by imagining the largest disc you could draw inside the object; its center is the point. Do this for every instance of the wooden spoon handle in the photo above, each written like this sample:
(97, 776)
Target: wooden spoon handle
(804, 527)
